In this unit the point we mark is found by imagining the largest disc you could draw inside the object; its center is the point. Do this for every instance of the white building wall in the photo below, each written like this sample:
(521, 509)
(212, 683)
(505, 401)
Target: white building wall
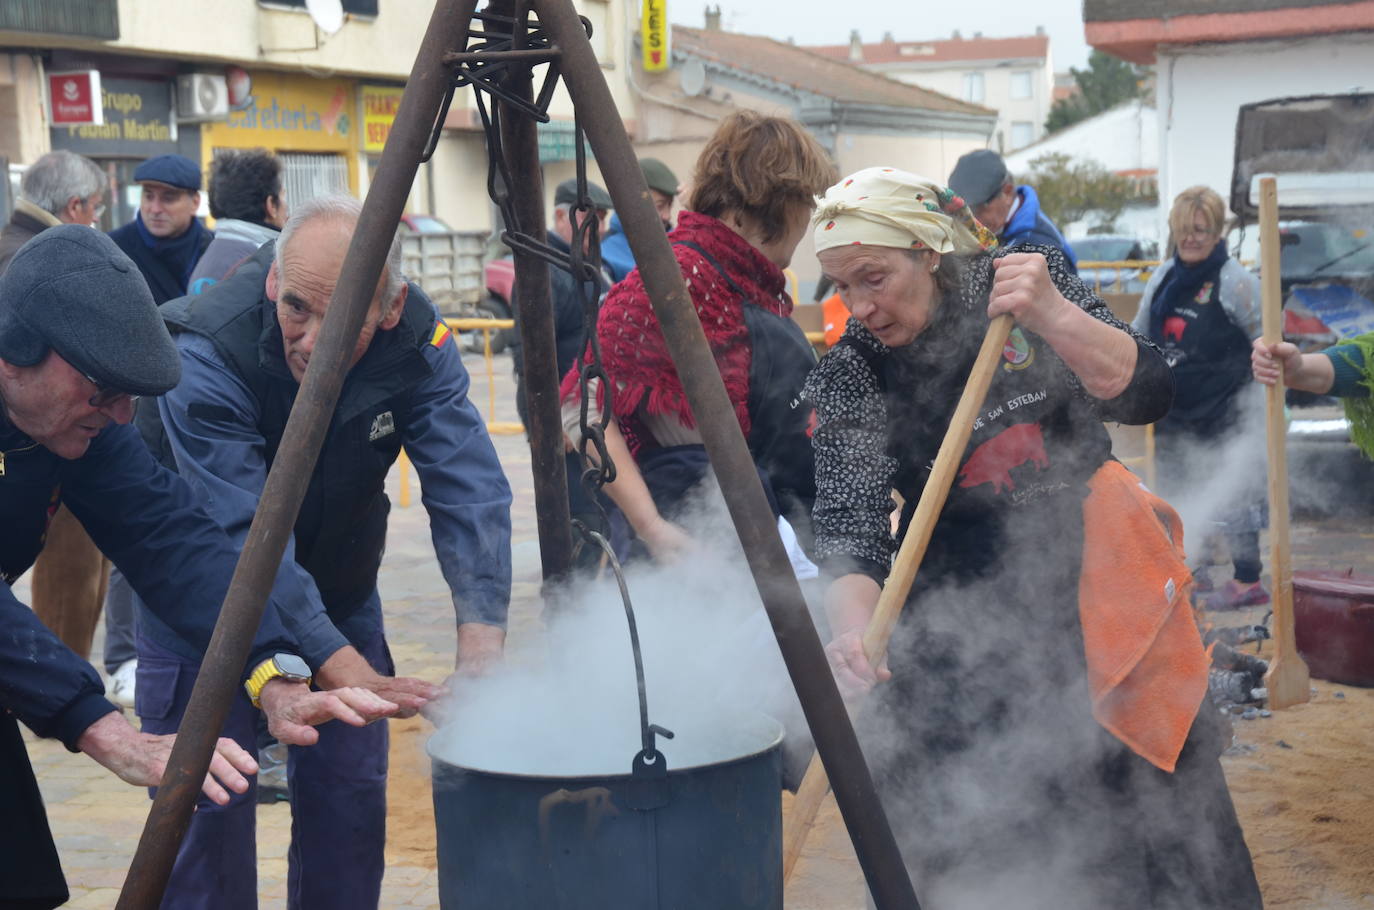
(997, 87)
(1200, 90)
(1123, 138)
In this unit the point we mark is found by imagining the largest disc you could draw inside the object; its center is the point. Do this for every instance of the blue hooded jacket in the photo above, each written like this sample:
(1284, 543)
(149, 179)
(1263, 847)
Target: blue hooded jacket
(615, 251)
(1029, 225)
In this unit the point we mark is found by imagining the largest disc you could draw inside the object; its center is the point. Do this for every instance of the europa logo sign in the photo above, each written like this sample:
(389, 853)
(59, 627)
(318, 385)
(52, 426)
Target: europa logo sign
(74, 99)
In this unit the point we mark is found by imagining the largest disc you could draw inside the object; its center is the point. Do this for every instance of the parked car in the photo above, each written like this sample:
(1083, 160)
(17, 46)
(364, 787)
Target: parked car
(499, 276)
(424, 224)
(1326, 264)
(1113, 248)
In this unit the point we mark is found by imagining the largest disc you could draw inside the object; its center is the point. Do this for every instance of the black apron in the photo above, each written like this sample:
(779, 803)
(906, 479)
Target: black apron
(1210, 359)
(780, 422)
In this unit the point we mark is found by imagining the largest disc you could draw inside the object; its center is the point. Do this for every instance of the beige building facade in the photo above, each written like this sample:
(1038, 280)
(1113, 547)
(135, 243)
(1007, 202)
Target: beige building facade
(1013, 76)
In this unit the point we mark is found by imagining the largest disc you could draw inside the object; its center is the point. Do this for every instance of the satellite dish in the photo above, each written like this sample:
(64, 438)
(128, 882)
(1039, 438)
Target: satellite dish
(328, 14)
(692, 78)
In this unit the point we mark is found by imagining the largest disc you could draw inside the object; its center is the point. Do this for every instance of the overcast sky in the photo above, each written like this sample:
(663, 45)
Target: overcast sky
(829, 22)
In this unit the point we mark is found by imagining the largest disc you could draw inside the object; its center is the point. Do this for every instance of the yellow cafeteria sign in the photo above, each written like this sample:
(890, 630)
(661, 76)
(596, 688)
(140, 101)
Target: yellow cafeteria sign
(653, 26)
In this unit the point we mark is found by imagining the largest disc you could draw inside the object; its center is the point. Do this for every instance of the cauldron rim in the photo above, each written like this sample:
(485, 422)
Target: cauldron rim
(774, 740)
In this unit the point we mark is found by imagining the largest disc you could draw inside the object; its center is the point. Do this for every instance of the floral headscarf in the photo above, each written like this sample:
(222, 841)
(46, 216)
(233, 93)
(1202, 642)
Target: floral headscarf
(882, 206)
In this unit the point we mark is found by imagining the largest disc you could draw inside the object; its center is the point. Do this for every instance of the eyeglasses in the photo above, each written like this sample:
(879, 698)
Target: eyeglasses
(1192, 232)
(106, 397)
(97, 211)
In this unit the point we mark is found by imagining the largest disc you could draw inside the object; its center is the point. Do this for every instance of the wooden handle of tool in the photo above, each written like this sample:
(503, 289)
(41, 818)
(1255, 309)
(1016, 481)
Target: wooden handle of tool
(815, 785)
(1287, 679)
(936, 491)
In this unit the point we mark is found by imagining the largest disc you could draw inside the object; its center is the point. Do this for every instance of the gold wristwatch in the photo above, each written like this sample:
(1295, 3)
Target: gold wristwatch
(279, 666)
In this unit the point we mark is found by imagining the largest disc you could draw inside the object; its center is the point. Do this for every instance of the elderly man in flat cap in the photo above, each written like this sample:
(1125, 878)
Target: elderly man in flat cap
(166, 239)
(80, 338)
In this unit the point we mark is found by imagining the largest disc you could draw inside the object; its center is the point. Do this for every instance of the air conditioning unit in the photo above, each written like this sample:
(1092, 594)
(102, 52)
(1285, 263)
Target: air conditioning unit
(202, 96)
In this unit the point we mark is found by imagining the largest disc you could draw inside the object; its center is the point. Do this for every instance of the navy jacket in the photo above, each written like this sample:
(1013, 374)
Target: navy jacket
(224, 421)
(166, 264)
(146, 520)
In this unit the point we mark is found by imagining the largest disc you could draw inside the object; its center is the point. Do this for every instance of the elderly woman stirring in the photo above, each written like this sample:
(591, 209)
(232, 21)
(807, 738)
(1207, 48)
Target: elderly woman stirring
(991, 731)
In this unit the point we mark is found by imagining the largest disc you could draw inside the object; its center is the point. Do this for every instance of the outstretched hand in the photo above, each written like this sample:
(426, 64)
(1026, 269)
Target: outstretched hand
(141, 758)
(293, 711)
(854, 675)
(348, 668)
(667, 542)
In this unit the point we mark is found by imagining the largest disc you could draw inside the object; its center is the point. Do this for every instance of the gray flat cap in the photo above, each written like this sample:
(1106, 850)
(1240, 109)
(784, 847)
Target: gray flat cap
(978, 176)
(71, 289)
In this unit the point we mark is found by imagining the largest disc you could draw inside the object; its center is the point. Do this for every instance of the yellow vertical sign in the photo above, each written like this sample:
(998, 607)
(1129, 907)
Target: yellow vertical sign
(653, 29)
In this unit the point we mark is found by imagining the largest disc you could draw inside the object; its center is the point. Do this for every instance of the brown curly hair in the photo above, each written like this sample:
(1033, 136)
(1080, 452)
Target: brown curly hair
(760, 167)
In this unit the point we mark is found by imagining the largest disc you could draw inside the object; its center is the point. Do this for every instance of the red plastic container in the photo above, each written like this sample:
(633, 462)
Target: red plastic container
(1333, 616)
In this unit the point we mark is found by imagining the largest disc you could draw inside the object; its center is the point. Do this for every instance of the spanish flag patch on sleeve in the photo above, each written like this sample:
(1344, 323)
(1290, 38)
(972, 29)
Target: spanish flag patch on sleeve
(441, 334)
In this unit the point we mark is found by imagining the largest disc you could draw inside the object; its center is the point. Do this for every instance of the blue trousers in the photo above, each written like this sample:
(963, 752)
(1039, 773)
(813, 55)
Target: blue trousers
(338, 797)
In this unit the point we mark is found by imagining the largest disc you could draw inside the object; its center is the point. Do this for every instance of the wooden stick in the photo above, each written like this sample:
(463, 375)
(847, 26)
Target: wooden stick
(815, 785)
(1287, 679)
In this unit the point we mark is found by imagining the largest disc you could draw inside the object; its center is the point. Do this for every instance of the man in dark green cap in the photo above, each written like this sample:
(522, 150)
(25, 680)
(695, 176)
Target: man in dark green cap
(663, 189)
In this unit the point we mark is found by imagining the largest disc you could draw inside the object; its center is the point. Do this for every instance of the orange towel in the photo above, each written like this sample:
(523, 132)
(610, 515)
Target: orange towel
(1147, 667)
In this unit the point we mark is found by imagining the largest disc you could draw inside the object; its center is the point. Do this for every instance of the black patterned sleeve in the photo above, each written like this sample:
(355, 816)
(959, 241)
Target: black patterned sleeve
(1150, 393)
(853, 470)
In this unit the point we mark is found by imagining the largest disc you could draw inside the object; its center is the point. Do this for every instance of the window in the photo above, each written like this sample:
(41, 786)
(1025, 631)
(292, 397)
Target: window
(356, 7)
(973, 87)
(1022, 133)
(1020, 86)
(306, 175)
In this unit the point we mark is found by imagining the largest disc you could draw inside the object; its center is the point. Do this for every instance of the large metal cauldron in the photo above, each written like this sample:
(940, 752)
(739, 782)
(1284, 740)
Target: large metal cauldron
(706, 835)
(697, 838)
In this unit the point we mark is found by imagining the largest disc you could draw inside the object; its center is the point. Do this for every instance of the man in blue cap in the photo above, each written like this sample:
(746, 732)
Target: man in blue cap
(166, 239)
(79, 340)
(1010, 211)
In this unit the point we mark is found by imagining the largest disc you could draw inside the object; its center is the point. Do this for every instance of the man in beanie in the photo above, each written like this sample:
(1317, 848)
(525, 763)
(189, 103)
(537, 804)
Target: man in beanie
(1011, 212)
(79, 340)
(166, 239)
(663, 189)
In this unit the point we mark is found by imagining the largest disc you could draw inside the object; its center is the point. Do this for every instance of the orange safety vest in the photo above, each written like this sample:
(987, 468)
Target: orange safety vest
(834, 314)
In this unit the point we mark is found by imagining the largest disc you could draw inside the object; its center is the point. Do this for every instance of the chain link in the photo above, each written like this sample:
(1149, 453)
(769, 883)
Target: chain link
(583, 259)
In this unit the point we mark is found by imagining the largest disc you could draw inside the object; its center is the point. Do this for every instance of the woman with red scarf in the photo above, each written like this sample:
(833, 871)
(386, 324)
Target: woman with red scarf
(753, 192)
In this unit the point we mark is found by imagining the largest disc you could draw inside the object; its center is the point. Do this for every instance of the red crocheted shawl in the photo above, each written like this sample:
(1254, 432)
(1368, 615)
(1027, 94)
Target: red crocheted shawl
(632, 346)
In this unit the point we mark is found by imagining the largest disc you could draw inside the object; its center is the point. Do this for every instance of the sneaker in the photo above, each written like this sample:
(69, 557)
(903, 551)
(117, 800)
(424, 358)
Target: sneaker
(121, 690)
(1233, 597)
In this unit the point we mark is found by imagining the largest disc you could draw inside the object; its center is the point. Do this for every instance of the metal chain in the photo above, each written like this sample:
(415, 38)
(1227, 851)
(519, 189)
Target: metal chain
(486, 66)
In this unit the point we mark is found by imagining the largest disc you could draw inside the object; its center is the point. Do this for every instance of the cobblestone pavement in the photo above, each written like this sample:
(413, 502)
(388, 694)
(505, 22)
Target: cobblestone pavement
(97, 820)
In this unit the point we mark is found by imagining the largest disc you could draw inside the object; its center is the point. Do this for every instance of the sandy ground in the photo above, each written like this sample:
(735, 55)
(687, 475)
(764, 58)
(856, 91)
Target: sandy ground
(1302, 781)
